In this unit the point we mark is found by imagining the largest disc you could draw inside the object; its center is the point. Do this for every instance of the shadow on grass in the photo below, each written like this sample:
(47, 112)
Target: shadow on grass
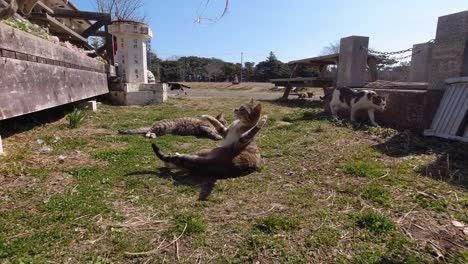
(203, 181)
(27, 122)
(296, 103)
(451, 165)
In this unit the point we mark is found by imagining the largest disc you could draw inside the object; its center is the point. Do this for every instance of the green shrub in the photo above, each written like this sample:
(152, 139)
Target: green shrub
(76, 118)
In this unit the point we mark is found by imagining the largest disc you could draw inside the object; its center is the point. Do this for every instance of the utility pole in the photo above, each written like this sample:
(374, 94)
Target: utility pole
(242, 65)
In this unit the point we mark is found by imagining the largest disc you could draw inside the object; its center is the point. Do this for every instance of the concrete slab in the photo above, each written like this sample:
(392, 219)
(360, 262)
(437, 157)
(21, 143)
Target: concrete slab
(421, 62)
(352, 61)
(138, 94)
(450, 51)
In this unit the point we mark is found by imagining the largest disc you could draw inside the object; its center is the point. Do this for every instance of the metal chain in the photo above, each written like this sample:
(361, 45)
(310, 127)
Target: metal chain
(386, 55)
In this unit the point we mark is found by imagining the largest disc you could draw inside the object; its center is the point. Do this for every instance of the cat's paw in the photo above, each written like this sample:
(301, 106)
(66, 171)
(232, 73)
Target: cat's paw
(262, 121)
(150, 135)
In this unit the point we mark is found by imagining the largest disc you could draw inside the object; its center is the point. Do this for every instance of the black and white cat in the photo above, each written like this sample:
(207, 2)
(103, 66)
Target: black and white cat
(357, 100)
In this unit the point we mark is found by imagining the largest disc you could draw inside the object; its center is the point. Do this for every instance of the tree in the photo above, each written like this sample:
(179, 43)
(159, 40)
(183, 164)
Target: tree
(154, 64)
(271, 68)
(122, 9)
(332, 48)
(249, 70)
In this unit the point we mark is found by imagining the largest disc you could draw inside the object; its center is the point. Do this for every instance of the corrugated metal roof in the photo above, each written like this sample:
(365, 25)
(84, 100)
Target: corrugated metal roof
(451, 119)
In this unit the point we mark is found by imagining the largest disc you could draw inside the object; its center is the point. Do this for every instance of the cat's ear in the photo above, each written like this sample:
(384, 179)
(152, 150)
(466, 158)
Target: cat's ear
(251, 102)
(219, 116)
(258, 108)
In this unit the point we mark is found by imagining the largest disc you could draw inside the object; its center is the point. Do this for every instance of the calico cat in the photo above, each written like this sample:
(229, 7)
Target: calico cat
(237, 155)
(185, 126)
(356, 100)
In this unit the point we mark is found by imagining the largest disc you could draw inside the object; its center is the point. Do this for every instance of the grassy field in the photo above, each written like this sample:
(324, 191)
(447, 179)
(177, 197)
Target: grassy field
(328, 192)
(250, 87)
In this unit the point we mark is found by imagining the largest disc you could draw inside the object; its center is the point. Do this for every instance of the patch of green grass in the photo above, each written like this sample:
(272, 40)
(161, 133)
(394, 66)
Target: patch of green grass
(435, 203)
(374, 222)
(318, 128)
(377, 194)
(76, 118)
(364, 169)
(194, 222)
(302, 115)
(275, 224)
(323, 238)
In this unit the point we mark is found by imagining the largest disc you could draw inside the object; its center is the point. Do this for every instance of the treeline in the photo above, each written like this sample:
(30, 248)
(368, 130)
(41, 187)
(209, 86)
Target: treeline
(200, 69)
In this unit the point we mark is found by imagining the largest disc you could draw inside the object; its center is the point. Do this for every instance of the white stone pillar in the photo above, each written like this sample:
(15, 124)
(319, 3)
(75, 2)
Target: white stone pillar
(131, 49)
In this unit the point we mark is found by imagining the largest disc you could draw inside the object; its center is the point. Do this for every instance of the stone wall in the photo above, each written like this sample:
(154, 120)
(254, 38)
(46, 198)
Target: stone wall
(137, 94)
(450, 51)
(36, 74)
(407, 109)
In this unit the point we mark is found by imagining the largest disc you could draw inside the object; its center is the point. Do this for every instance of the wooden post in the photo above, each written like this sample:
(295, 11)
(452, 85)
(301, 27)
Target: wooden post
(287, 90)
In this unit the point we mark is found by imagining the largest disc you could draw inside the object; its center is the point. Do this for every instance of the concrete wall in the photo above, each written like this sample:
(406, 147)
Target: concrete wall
(407, 109)
(421, 62)
(36, 74)
(450, 51)
(352, 62)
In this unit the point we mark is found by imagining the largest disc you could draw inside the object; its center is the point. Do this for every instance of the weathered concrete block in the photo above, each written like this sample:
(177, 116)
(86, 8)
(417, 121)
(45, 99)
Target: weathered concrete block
(138, 94)
(17, 40)
(88, 105)
(2, 153)
(407, 109)
(450, 51)
(352, 61)
(421, 62)
(27, 87)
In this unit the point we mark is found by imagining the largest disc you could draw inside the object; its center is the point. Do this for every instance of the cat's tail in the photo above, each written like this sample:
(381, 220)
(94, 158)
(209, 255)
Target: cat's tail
(136, 131)
(182, 160)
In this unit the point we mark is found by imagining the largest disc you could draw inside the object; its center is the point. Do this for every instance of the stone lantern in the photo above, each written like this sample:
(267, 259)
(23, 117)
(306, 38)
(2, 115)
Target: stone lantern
(131, 49)
(130, 55)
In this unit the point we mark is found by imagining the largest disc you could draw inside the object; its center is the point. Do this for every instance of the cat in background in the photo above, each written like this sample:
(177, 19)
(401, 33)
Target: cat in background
(185, 126)
(237, 155)
(356, 100)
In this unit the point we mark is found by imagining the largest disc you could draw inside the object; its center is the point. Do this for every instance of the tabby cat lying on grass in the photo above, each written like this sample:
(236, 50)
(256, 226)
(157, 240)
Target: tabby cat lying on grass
(237, 155)
(186, 126)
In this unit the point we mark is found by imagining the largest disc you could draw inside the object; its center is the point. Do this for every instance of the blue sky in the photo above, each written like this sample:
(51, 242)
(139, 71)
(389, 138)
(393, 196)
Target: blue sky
(292, 29)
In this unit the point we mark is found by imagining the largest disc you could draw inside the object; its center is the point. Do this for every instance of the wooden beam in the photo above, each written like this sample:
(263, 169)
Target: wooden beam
(93, 28)
(82, 15)
(46, 8)
(59, 25)
(99, 34)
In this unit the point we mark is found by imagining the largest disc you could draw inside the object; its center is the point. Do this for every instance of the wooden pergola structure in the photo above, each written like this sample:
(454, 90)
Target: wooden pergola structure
(68, 23)
(321, 63)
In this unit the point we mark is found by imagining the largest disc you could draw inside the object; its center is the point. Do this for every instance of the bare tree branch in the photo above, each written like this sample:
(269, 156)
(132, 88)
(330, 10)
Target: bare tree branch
(122, 9)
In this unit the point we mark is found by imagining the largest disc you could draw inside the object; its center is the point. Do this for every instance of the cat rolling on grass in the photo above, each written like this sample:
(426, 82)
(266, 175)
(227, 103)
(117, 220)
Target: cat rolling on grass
(356, 100)
(185, 126)
(237, 155)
